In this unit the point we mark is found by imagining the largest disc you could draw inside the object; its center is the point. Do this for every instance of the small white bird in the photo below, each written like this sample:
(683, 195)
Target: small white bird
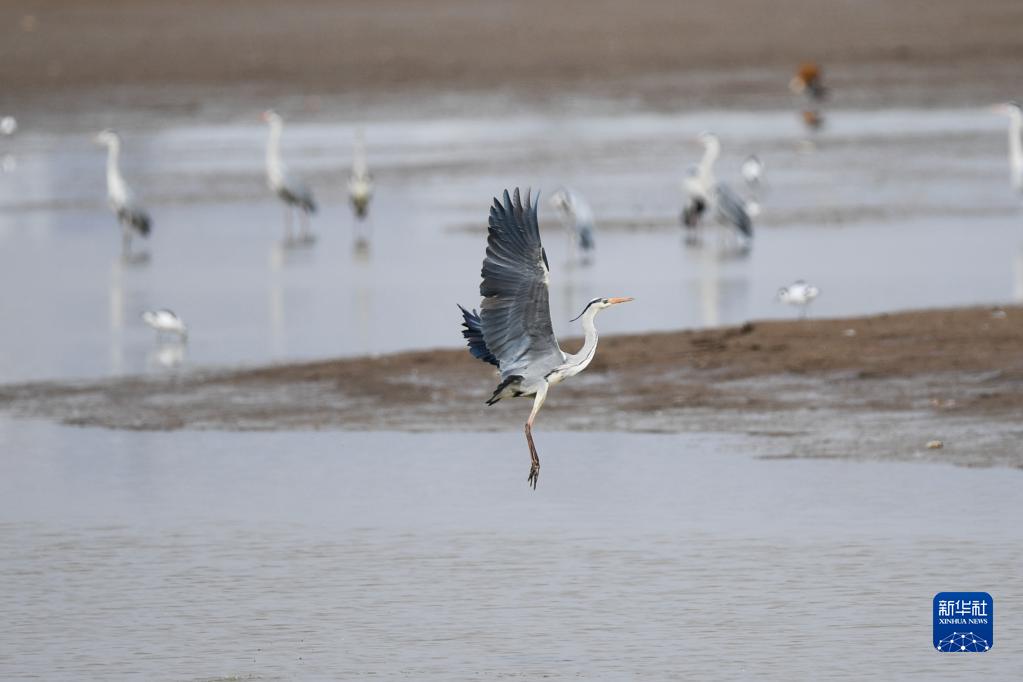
(799, 294)
(134, 219)
(165, 322)
(360, 182)
(290, 189)
(752, 170)
(8, 125)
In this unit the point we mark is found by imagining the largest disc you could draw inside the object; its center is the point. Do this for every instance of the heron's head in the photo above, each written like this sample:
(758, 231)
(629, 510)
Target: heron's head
(783, 294)
(270, 116)
(708, 139)
(598, 304)
(107, 137)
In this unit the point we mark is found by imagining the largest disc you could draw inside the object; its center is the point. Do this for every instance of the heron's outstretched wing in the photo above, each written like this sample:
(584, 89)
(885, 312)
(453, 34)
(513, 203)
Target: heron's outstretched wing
(515, 313)
(732, 209)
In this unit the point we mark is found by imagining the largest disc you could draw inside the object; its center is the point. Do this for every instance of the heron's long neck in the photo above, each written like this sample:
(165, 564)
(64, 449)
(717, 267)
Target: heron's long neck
(115, 182)
(1016, 149)
(273, 150)
(116, 187)
(577, 362)
(710, 155)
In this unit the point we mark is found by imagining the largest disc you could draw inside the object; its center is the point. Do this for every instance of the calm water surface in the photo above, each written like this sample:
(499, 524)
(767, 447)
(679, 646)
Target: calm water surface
(424, 556)
(892, 210)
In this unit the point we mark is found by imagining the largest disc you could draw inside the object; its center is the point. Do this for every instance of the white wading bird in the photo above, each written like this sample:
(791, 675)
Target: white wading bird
(8, 125)
(703, 192)
(165, 322)
(513, 329)
(577, 217)
(1015, 114)
(360, 182)
(799, 294)
(291, 190)
(133, 217)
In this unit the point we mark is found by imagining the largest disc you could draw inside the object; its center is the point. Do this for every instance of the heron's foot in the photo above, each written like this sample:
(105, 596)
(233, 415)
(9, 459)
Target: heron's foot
(534, 474)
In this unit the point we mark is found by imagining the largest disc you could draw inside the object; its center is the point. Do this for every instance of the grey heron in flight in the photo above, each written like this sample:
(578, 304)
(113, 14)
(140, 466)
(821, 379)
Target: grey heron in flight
(1015, 114)
(513, 329)
(295, 194)
(799, 294)
(577, 217)
(134, 219)
(705, 193)
(360, 182)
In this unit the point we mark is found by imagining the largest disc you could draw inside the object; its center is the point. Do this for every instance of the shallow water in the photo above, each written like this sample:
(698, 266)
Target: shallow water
(131, 555)
(892, 210)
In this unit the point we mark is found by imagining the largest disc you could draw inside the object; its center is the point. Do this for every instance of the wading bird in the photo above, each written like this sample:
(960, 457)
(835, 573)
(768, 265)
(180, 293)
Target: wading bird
(513, 329)
(360, 182)
(295, 194)
(704, 193)
(1015, 114)
(134, 219)
(799, 294)
(165, 322)
(577, 216)
(752, 170)
(809, 82)
(8, 125)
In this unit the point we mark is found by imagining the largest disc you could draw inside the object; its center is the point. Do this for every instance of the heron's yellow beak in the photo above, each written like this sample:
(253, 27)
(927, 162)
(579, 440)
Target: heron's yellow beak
(615, 301)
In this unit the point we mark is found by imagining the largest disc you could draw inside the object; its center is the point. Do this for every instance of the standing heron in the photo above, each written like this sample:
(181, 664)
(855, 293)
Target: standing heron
(704, 193)
(291, 190)
(799, 294)
(513, 330)
(577, 217)
(134, 219)
(360, 182)
(1015, 114)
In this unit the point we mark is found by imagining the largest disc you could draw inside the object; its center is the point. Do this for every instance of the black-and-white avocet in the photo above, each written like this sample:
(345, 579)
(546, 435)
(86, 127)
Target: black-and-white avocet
(513, 329)
(799, 294)
(166, 322)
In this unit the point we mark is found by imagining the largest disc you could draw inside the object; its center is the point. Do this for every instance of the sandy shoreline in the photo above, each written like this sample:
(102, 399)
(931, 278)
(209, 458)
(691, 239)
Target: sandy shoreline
(814, 388)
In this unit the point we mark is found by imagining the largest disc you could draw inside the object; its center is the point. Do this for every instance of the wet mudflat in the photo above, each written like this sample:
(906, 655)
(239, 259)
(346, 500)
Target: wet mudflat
(300, 554)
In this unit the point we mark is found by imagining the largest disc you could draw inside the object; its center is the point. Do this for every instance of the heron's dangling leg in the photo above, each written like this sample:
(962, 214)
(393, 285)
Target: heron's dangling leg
(534, 468)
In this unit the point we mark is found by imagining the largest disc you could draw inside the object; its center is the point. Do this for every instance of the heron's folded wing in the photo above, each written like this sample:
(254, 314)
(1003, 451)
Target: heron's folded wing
(732, 209)
(516, 313)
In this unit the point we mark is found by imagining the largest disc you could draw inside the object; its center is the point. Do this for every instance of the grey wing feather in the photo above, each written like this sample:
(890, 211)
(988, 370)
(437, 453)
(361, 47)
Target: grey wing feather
(295, 191)
(731, 209)
(515, 314)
